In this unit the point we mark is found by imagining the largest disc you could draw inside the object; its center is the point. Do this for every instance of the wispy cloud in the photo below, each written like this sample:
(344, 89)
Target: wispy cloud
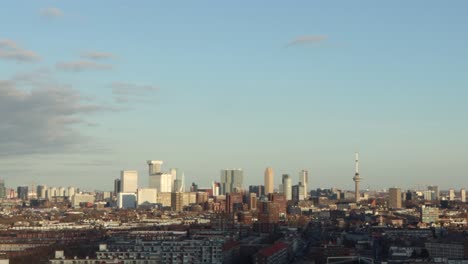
(94, 55)
(10, 50)
(307, 40)
(51, 12)
(82, 65)
(124, 91)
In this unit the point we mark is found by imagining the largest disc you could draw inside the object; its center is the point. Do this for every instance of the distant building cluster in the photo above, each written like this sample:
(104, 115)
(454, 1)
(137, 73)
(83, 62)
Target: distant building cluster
(165, 221)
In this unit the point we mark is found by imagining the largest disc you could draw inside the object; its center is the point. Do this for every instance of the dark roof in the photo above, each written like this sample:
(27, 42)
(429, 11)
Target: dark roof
(272, 249)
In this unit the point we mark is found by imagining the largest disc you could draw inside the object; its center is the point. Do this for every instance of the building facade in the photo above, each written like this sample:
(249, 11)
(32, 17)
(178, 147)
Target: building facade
(394, 199)
(269, 181)
(128, 181)
(287, 186)
(231, 180)
(304, 179)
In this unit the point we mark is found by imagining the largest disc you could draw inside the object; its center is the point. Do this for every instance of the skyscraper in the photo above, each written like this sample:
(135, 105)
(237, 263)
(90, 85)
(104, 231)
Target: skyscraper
(451, 195)
(71, 191)
(298, 192)
(463, 195)
(304, 179)
(258, 190)
(163, 182)
(216, 188)
(357, 180)
(435, 189)
(394, 200)
(174, 173)
(154, 166)
(117, 187)
(287, 187)
(269, 181)
(231, 180)
(41, 191)
(128, 181)
(22, 192)
(2, 189)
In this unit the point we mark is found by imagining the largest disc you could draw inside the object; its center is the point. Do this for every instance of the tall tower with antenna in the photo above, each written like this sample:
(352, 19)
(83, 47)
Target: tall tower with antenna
(357, 179)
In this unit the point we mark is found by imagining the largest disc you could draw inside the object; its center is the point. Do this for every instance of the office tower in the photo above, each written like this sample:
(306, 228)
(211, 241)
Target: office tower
(61, 191)
(280, 187)
(154, 166)
(463, 195)
(394, 200)
(216, 188)
(411, 196)
(117, 185)
(269, 181)
(304, 179)
(163, 182)
(51, 192)
(22, 192)
(298, 192)
(128, 181)
(357, 179)
(231, 180)
(41, 191)
(451, 195)
(429, 195)
(2, 189)
(71, 191)
(287, 186)
(435, 189)
(258, 190)
(173, 172)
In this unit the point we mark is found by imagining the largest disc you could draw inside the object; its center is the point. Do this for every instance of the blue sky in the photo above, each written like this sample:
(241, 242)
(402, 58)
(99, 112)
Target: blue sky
(206, 85)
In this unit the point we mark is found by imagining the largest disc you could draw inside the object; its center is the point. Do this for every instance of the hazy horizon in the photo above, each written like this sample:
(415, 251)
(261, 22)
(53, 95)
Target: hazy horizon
(91, 88)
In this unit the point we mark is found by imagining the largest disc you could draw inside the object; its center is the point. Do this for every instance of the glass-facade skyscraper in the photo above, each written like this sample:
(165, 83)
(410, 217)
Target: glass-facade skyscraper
(231, 180)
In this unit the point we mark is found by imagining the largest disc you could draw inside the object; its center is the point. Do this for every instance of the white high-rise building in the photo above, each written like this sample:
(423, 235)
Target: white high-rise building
(173, 172)
(451, 195)
(129, 181)
(287, 187)
(61, 191)
(215, 186)
(147, 195)
(71, 191)
(304, 179)
(51, 192)
(162, 182)
(463, 195)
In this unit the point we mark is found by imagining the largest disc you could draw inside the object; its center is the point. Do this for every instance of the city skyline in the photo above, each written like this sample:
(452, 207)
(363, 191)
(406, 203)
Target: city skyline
(212, 85)
(147, 181)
